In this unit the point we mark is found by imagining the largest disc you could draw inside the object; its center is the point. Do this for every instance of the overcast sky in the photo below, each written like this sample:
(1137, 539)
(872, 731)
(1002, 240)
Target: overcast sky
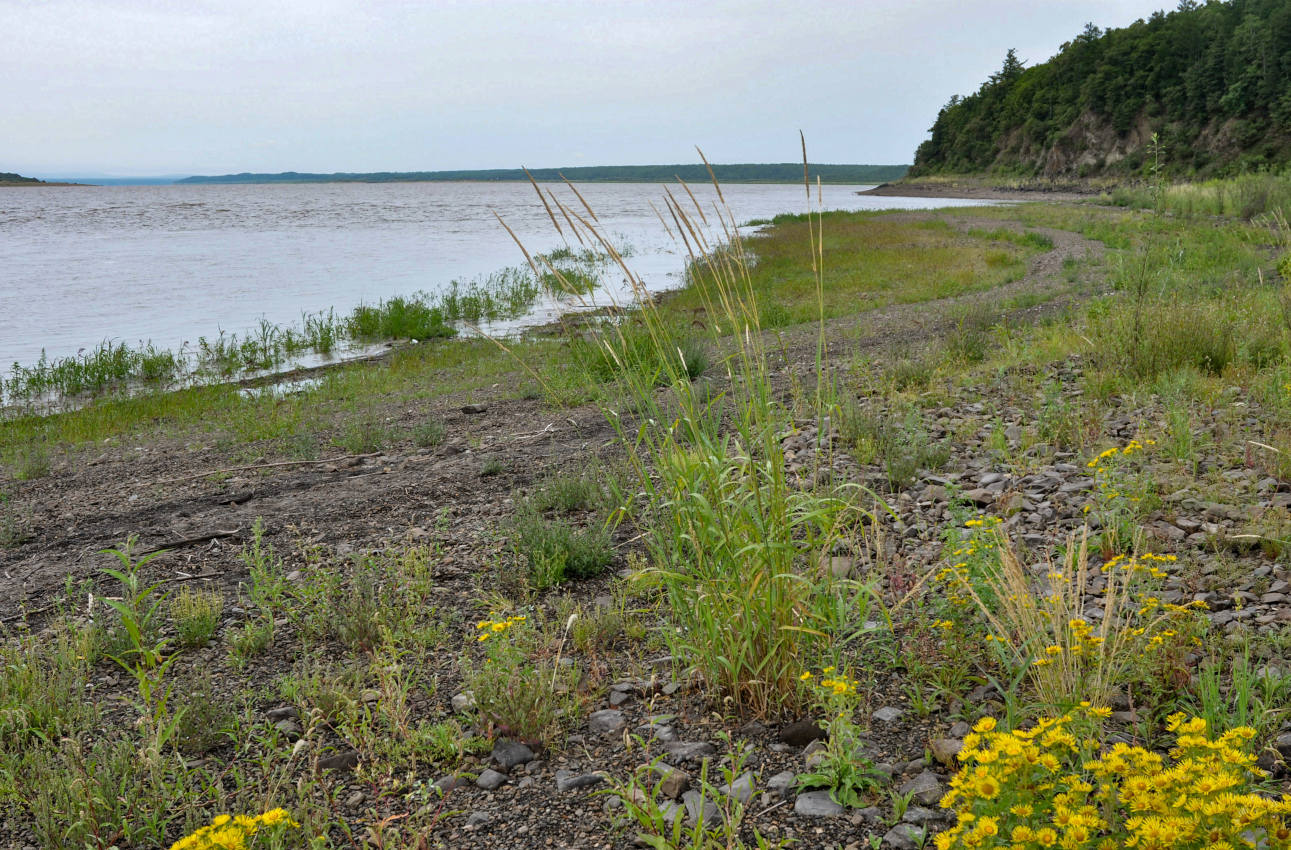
(135, 87)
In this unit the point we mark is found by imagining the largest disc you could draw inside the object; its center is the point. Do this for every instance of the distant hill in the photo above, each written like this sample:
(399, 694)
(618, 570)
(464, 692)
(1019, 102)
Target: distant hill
(786, 172)
(10, 179)
(1213, 80)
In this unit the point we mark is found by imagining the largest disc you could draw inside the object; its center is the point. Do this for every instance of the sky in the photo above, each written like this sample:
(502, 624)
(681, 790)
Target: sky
(162, 87)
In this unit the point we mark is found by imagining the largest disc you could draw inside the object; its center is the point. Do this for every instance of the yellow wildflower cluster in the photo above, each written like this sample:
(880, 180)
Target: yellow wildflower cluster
(1148, 563)
(1130, 448)
(233, 832)
(1049, 786)
(495, 628)
(957, 575)
(831, 682)
(1080, 641)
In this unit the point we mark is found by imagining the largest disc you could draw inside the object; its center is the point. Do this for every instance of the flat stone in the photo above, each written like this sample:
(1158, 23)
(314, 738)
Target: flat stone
(945, 750)
(781, 785)
(904, 836)
(683, 752)
(282, 712)
(672, 782)
(567, 780)
(475, 819)
(800, 733)
(607, 721)
(741, 789)
(340, 761)
(700, 809)
(491, 780)
(509, 754)
(888, 714)
(474, 408)
(919, 814)
(289, 729)
(925, 788)
(355, 799)
(448, 783)
(463, 702)
(817, 804)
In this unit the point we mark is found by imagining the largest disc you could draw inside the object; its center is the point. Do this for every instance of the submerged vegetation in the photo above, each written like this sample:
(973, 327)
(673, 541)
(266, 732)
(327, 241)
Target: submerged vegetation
(501, 296)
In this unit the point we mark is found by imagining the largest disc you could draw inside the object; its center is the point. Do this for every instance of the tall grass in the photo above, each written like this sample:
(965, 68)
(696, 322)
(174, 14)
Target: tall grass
(732, 540)
(1245, 196)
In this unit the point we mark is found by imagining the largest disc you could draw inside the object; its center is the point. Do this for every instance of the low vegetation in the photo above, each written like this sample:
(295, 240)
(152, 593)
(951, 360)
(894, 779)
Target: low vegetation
(1012, 542)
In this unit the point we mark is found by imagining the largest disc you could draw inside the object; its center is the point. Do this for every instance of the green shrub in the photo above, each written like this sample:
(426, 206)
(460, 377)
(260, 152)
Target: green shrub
(556, 551)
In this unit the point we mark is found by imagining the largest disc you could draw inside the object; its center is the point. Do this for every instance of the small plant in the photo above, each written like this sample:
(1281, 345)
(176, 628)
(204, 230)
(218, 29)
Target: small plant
(1121, 495)
(556, 551)
(252, 638)
(493, 466)
(196, 615)
(843, 768)
(268, 585)
(520, 689)
(205, 720)
(428, 434)
(13, 524)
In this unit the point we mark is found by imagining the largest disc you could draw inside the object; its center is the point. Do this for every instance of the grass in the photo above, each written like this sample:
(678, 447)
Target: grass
(723, 546)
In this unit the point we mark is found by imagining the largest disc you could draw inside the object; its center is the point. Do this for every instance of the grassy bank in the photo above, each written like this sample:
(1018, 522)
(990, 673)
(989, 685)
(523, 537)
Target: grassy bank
(954, 474)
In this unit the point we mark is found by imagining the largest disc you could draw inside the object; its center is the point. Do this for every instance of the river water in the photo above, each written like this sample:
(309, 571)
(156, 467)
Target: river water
(167, 264)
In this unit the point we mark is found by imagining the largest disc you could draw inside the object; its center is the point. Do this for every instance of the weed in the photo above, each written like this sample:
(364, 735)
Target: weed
(556, 551)
(251, 638)
(196, 615)
(428, 434)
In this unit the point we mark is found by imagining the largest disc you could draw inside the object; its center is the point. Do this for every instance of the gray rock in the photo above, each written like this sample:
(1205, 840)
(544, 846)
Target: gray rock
(340, 761)
(700, 809)
(925, 788)
(672, 782)
(282, 712)
(918, 814)
(607, 721)
(355, 800)
(945, 750)
(683, 752)
(741, 789)
(567, 780)
(781, 784)
(887, 714)
(475, 819)
(905, 836)
(463, 702)
(817, 804)
(289, 729)
(509, 754)
(491, 780)
(1283, 744)
(448, 783)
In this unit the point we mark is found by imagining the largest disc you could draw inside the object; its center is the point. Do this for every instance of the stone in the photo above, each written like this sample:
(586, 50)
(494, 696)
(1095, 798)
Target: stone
(340, 761)
(672, 782)
(700, 809)
(567, 780)
(925, 788)
(355, 800)
(781, 785)
(817, 804)
(918, 814)
(607, 721)
(905, 836)
(945, 750)
(289, 729)
(474, 408)
(1283, 744)
(491, 780)
(475, 819)
(282, 712)
(682, 752)
(463, 702)
(448, 783)
(801, 733)
(509, 754)
(887, 714)
(741, 789)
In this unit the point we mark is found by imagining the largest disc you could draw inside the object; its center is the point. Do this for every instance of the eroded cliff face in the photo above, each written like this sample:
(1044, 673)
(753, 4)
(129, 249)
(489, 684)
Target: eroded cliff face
(1092, 146)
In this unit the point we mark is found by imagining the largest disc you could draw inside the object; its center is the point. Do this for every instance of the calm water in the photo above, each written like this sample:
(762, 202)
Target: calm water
(168, 264)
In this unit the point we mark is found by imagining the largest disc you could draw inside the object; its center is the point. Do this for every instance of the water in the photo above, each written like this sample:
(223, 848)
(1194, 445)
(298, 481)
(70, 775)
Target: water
(168, 264)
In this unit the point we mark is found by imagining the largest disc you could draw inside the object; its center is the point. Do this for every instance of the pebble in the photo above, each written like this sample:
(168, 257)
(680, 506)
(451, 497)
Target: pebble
(926, 788)
(904, 836)
(567, 780)
(888, 715)
(509, 754)
(800, 733)
(781, 785)
(682, 752)
(491, 780)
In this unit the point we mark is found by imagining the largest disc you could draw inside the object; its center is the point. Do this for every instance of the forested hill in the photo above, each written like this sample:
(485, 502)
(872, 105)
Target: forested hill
(737, 173)
(1213, 80)
(8, 177)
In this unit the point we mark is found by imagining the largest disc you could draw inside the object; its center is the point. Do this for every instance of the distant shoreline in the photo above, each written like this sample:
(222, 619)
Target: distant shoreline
(975, 191)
